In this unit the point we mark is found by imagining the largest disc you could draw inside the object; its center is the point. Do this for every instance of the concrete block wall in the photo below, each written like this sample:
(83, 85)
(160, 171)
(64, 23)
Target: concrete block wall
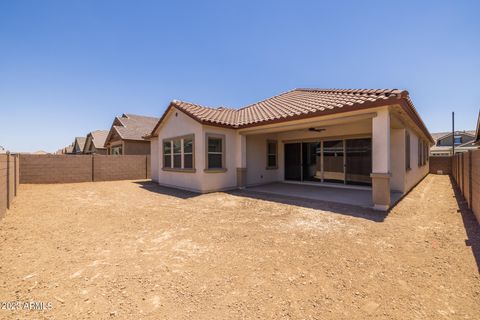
(475, 202)
(82, 168)
(9, 178)
(130, 167)
(466, 173)
(3, 185)
(55, 168)
(440, 163)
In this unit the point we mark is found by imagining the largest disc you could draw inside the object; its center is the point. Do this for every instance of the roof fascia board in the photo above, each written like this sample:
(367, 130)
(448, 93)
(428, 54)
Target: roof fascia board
(289, 126)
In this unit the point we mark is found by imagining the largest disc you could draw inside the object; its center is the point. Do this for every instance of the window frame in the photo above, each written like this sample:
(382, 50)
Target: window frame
(182, 154)
(408, 165)
(223, 153)
(420, 152)
(457, 137)
(116, 147)
(275, 142)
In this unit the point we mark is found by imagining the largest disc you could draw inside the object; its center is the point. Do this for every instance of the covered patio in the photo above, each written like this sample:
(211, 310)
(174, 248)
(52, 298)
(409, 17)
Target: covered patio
(361, 197)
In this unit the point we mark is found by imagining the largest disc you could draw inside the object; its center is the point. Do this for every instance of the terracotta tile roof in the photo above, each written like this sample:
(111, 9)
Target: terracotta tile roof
(297, 104)
(293, 103)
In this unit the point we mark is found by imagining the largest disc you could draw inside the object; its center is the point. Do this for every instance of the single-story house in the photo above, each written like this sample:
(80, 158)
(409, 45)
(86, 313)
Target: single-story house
(328, 137)
(78, 145)
(126, 135)
(464, 141)
(95, 142)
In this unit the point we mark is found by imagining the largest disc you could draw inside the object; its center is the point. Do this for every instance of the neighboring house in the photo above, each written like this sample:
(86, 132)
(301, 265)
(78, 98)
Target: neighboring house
(66, 150)
(373, 138)
(95, 142)
(477, 134)
(40, 152)
(443, 142)
(78, 145)
(125, 135)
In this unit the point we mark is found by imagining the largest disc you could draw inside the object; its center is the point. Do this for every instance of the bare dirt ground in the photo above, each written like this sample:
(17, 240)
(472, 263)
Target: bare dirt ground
(131, 250)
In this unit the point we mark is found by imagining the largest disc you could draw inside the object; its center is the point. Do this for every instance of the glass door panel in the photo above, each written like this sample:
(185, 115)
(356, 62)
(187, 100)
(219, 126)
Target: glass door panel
(333, 161)
(359, 161)
(311, 161)
(293, 161)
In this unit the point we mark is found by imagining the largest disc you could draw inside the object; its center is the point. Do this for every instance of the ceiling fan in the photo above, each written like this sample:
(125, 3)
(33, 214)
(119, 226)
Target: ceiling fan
(316, 129)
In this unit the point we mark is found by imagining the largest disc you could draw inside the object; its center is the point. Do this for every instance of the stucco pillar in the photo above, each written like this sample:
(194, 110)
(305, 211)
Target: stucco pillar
(381, 160)
(241, 160)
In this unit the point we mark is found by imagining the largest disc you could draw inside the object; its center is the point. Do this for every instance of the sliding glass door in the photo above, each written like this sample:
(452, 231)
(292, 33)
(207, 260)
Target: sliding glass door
(333, 161)
(347, 161)
(358, 161)
(293, 161)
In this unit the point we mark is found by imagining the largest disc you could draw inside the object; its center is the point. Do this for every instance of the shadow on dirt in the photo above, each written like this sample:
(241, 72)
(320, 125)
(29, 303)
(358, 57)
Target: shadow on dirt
(154, 187)
(344, 209)
(470, 223)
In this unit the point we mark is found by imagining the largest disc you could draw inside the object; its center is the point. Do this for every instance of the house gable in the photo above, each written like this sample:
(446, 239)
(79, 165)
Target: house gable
(447, 140)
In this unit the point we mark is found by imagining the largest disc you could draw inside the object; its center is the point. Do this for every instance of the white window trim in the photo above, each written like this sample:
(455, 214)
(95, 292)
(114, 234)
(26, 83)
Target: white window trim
(182, 154)
(272, 154)
(223, 153)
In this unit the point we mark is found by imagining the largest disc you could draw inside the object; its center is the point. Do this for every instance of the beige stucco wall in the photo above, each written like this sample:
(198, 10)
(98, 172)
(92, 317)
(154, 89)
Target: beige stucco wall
(220, 180)
(257, 172)
(179, 124)
(416, 173)
(154, 159)
(397, 141)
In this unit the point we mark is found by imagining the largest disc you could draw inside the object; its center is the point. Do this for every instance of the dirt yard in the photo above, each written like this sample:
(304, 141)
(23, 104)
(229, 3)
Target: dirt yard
(131, 250)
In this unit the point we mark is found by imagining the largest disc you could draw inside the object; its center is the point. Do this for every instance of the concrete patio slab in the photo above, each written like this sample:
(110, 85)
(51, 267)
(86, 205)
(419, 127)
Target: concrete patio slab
(354, 196)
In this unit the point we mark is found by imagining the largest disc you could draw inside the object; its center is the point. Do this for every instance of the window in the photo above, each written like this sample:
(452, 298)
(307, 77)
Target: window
(167, 154)
(272, 154)
(419, 151)
(118, 150)
(215, 152)
(178, 153)
(188, 153)
(457, 140)
(427, 152)
(407, 151)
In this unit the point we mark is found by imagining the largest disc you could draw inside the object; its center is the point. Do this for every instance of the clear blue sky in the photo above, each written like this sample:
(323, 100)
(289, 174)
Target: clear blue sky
(69, 67)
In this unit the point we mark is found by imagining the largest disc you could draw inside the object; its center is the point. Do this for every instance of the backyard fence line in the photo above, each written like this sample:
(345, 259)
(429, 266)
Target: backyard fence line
(440, 164)
(9, 180)
(82, 168)
(466, 173)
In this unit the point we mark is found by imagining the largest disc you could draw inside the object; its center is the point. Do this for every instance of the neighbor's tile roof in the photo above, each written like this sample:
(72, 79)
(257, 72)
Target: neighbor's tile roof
(135, 126)
(98, 138)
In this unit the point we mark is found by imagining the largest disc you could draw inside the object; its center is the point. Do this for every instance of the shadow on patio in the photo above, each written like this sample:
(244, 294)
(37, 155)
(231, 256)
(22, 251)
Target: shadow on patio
(472, 227)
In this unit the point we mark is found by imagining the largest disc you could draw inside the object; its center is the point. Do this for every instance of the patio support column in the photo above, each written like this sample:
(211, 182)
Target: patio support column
(381, 160)
(241, 160)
